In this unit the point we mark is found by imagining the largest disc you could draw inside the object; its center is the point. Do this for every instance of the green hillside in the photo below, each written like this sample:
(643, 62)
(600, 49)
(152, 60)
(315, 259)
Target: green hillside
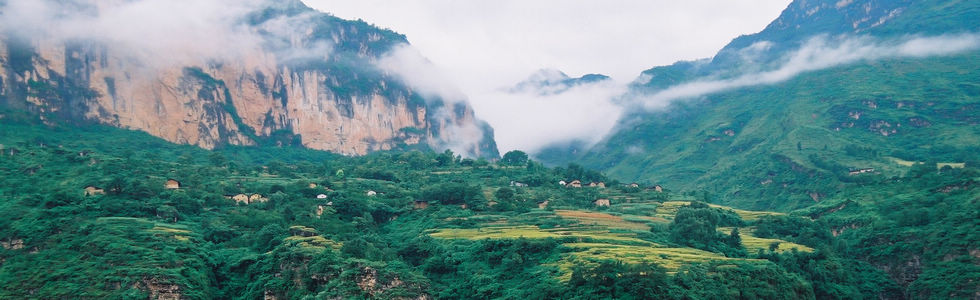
(882, 151)
(393, 225)
(790, 145)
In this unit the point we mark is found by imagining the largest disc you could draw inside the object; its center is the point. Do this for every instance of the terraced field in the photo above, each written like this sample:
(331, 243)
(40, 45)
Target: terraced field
(597, 236)
(753, 244)
(603, 219)
(668, 209)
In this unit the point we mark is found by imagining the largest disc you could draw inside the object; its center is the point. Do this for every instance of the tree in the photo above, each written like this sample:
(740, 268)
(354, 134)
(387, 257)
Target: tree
(446, 159)
(504, 194)
(217, 159)
(734, 238)
(514, 158)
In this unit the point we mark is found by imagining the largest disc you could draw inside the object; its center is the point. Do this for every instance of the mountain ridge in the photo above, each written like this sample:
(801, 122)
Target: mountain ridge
(312, 83)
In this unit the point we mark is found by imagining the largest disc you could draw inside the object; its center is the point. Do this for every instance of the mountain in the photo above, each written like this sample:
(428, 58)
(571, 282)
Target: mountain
(102, 212)
(859, 115)
(803, 20)
(786, 144)
(551, 81)
(265, 73)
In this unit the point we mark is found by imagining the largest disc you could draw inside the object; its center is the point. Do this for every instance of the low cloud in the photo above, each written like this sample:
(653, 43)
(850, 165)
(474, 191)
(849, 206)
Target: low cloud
(460, 131)
(820, 52)
(158, 32)
(408, 65)
(459, 134)
(529, 120)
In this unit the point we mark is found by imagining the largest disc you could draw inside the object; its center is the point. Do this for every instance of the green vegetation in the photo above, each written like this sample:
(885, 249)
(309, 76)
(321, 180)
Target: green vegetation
(857, 182)
(392, 226)
(901, 200)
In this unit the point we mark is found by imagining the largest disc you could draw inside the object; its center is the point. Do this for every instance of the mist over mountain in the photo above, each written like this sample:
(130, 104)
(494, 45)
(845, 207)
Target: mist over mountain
(260, 149)
(552, 81)
(214, 73)
(829, 106)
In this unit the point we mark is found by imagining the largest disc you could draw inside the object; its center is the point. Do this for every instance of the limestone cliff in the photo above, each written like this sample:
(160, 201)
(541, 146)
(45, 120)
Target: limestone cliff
(303, 78)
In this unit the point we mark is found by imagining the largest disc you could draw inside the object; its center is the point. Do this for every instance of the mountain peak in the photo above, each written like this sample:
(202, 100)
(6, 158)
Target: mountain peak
(554, 81)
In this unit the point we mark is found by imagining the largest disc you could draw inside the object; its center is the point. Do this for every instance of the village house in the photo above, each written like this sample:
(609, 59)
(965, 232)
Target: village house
(658, 188)
(575, 184)
(15, 244)
(562, 183)
(634, 185)
(517, 184)
(240, 198)
(420, 204)
(861, 171)
(172, 184)
(256, 198)
(372, 193)
(321, 196)
(602, 202)
(93, 190)
(312, 185)
(543, 204)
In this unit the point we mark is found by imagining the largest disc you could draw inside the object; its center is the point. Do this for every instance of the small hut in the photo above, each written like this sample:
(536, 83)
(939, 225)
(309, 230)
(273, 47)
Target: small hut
(420, 204)
(543, 204)
(172, 184)
(321, 196)
(93, 190)
(602, 202)
(861, 171)
(372, 193)
(562, 183)
(240, 198)
(253, 198)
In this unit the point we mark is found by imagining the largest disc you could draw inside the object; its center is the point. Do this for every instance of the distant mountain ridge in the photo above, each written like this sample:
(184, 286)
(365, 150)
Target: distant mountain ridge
(310, 80)
(796, 127)
(803, 20)
(552, 81)
(861, 143)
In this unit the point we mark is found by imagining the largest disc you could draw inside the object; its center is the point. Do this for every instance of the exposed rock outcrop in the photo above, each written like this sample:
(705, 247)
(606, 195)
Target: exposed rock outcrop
(309, 79)
(159, 290)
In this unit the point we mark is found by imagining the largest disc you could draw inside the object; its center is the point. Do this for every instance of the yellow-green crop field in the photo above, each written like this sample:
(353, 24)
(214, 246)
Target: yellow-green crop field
(598, 236)
(669, 208)
(601, 219)
(753, 244)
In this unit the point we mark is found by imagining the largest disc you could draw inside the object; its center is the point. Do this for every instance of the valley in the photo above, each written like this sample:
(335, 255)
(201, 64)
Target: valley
(831, 155)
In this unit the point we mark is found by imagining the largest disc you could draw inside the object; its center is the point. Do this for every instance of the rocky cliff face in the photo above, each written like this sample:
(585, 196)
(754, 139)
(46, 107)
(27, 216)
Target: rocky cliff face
(303, 78)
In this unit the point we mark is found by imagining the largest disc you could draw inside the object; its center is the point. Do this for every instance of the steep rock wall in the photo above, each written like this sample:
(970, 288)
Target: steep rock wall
(310, 82)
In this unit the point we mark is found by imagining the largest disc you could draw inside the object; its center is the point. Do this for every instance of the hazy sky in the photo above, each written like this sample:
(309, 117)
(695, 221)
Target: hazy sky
(484, 46)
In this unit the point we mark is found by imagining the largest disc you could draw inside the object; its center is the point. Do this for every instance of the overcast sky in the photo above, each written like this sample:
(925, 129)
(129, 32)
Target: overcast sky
(485, 46)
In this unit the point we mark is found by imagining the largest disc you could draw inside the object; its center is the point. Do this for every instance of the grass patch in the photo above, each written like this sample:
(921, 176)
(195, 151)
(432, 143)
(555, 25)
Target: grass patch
(753, 244)
(602, 219)
(509, 232)
(668, 210)
(590, 254)
(316, 243)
